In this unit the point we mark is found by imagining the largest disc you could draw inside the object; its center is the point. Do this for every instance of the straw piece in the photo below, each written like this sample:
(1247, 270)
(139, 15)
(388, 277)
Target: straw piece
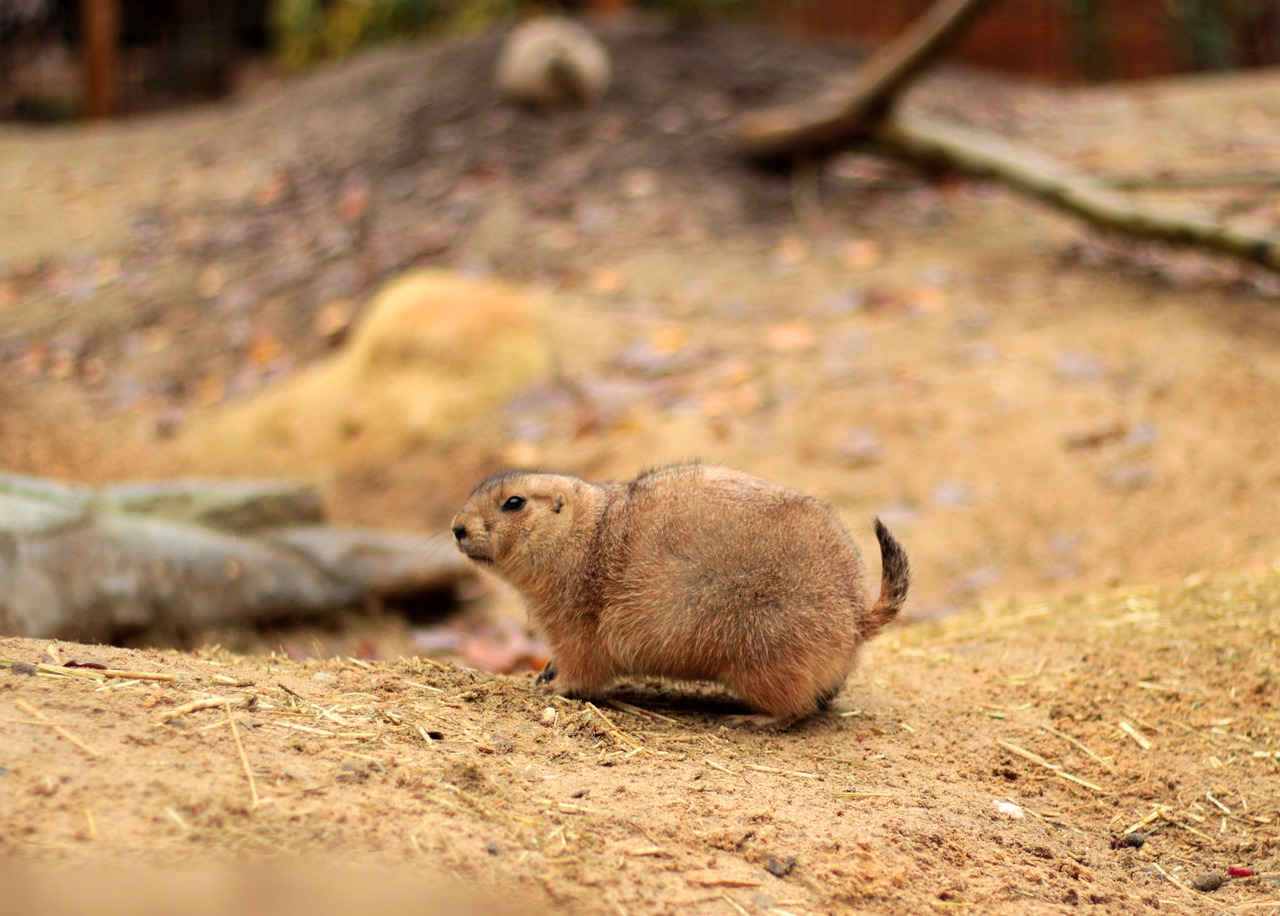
(646, 713)
(244, 758)
(1139, 738)
(619, 735)
(243, 701)
(1101, 761)
(1054, 768)
(1137, 825)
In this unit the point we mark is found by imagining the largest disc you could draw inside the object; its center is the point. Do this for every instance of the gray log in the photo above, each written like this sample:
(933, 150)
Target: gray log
(89, 565)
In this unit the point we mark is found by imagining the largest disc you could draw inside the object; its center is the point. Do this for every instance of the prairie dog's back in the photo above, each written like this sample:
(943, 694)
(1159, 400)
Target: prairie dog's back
(728, 566)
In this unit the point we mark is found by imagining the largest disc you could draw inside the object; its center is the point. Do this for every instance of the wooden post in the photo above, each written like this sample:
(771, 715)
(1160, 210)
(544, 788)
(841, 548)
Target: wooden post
(100, 21)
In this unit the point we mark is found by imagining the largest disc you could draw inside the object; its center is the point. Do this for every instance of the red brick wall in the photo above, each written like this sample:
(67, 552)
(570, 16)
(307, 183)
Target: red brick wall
(1031, 37)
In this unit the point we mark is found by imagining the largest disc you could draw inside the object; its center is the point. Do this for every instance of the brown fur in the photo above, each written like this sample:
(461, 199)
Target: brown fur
(690, 572)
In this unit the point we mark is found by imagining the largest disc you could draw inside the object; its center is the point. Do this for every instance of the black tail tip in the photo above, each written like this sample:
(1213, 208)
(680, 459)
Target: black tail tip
(895, 576)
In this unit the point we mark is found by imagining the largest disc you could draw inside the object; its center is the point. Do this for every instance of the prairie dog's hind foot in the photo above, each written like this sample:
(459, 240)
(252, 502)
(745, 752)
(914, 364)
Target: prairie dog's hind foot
(762, 722)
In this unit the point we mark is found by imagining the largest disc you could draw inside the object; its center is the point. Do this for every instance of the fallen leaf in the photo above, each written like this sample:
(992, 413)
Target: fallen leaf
(639, 183)
(31, 362)
(264, 349)
(211, 391)
(737, 371)
(929, 299)
(791, 250)
(791, 337)
(62, 365)
(522, 454)
(668, 340)
(210, 282)
(85, 661)
(607, 281)
(270, 190)
(155, 339)
(861, 254)
(354, 200)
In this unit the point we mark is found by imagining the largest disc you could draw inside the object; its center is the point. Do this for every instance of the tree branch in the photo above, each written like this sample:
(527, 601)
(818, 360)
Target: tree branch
(836, 118)
(935, 143)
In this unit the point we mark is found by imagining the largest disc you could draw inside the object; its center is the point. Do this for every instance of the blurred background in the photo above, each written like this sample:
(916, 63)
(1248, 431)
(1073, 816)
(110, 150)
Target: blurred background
(64, 59)
(324, 241)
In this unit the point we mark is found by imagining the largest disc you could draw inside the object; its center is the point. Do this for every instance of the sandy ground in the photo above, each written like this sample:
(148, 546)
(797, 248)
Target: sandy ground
(994, 761)
(1039, 413)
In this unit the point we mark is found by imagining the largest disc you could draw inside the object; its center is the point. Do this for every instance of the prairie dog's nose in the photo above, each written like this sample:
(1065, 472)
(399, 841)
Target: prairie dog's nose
(460, 532)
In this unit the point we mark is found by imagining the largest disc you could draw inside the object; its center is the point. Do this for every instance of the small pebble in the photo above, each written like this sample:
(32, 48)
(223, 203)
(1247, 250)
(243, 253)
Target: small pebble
(24, 668)
(549, 716)
(780, 868)
(1130, 840)
(1009, 810)
(1208, 882)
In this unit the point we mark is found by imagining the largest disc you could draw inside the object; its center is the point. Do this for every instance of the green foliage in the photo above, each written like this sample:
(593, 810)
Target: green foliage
(308, 31)
(1209, 32)
(476, 15)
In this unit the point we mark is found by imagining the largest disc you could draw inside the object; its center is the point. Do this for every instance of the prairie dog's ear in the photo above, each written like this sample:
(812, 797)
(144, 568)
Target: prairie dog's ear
(557, 502)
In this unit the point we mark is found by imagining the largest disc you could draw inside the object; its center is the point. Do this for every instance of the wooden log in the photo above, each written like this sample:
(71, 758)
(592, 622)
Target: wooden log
(838, 117)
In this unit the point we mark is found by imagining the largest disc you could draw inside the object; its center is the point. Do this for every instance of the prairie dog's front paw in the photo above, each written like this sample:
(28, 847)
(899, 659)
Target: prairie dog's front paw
(548, 673)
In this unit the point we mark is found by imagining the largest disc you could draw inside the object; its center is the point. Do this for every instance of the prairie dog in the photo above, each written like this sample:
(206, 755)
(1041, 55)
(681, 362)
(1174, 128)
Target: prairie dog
(690, 572)
(552, 61)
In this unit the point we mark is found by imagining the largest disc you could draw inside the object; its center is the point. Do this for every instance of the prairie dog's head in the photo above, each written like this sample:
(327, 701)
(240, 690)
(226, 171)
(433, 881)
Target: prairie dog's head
(519, 523)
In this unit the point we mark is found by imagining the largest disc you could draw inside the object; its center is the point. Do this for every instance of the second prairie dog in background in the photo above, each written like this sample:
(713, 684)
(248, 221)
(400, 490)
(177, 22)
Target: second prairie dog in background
(552, 62)
(691, 572)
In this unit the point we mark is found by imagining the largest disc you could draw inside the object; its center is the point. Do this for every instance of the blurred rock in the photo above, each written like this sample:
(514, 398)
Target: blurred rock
(434, 352)
(229, 505)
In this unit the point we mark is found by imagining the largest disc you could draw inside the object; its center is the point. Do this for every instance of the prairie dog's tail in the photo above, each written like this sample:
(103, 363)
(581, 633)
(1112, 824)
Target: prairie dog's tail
(895, 579)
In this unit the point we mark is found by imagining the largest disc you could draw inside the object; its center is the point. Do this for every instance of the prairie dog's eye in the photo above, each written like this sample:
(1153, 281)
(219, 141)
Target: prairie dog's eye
(513, 504)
